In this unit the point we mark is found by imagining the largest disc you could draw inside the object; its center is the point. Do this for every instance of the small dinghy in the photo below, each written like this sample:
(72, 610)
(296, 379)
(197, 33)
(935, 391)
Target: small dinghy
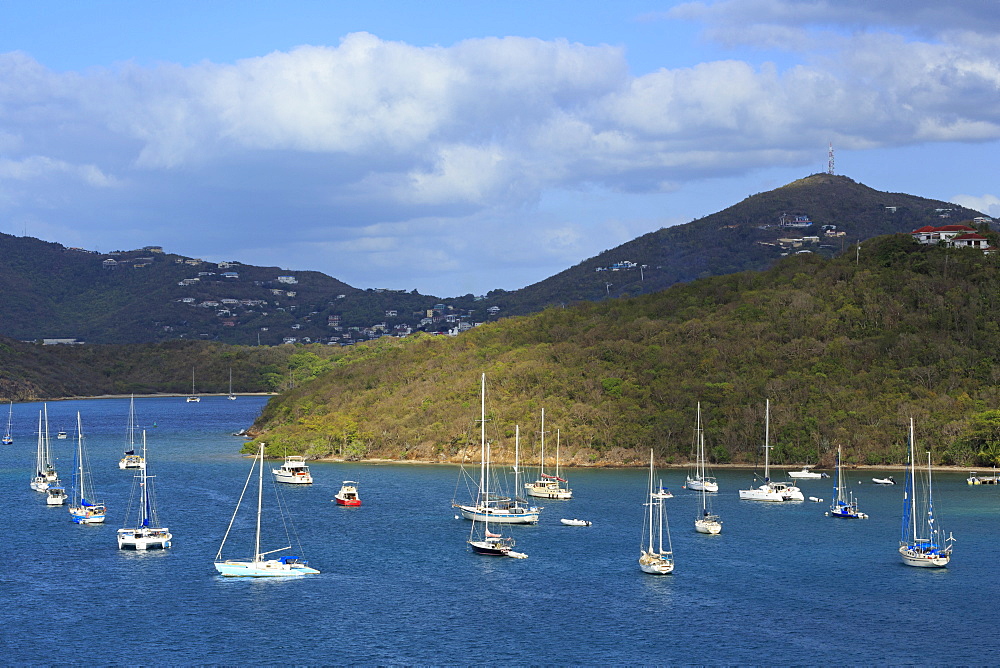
(576, 523)
(884, 481)
(815, 499)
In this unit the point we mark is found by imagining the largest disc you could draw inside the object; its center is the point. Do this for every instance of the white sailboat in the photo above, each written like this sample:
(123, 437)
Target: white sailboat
(193, 398)
(294, 471)
(45, 472)
(130, 460)
(8, 439)
(771, 491)
(697, 480)
(259, 565)
(922, 542)
(146, 533)
(844, 504)
(653, 558)
(706, 521)
(548, 486)
(232, 397)
(84, 509)
(496, 508)
(481, 539)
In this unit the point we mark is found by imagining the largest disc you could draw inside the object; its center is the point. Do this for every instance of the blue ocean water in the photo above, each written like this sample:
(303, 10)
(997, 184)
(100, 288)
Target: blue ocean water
(398, 586)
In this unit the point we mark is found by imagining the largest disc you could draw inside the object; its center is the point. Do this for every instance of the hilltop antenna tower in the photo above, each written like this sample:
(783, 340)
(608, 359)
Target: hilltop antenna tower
(829, 160)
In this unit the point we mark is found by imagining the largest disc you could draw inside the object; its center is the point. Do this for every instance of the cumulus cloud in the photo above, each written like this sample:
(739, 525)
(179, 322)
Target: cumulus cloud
(988, 204)
(380, 156)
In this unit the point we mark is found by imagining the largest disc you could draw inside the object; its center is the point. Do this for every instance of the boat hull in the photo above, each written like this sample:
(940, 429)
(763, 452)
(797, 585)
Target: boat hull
(500, 516)
(54, 499)
(39, 485)
(85, 517)
(655, 564)
(292, 478)
(576, 523)
(763, 493)
(542, 490)
(268, 568)
(698, 485)
(144, 539)
(712, 527)
(347, 502)
(921, 559)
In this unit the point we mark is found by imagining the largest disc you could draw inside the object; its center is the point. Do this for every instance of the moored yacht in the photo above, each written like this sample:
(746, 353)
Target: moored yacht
(294, 471)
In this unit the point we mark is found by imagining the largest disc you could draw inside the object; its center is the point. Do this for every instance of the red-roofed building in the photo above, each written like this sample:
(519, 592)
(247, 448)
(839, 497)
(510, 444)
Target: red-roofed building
(970, 240)
(934, 235)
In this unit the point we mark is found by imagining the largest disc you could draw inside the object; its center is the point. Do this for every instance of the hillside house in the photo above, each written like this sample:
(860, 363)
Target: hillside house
(928, 234)
(230, 274)
(970, 240)
(110, 263)
(794, 220)
(289, 280)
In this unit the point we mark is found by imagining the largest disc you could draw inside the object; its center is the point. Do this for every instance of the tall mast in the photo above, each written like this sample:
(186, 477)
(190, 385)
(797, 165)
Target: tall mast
(79, 456)
(517, 455)
(649, 499)
(913, 484)
(45, 446)
(144, 519)
(482, 439)
(541, 468)
(767, 441)
(38, 452)
(260, 499)
(557, 453)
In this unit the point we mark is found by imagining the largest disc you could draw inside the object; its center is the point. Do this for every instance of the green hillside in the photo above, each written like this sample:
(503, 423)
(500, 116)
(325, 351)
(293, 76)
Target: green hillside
(847, 350)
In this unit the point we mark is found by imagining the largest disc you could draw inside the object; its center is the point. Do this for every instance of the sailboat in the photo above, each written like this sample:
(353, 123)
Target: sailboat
(481, 539)
(547, 486)
(494, 507)
(259, 565)
(706, 521)
(193, 398)
(652, 557)
(7, 438)
(147, 532)
(232, 397)
(770, 491)
(844, 504)
(82, 509)
(131, 460)
(45, 473)
(922, 542)
(697, 480)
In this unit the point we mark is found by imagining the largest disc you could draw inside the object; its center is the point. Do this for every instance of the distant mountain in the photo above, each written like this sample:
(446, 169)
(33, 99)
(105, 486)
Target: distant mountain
(146, 295)
(744, 236)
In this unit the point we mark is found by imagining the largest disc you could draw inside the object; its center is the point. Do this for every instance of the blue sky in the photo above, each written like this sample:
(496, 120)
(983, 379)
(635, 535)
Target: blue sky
(460, 147)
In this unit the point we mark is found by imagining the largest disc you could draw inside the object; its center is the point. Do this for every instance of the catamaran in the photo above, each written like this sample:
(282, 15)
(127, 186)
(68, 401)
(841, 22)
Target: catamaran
(84, 509)
(548, 486)
(130, 460)
(146, 533)
(770, 491)
(922, 542)
(259, 565)
(706, 521)
(844, 504)
(653, 558)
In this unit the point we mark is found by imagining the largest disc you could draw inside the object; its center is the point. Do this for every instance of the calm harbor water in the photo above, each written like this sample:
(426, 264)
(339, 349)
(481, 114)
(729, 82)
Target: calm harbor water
(782, 583)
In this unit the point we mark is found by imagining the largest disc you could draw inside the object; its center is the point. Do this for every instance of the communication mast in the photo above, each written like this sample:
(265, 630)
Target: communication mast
(829, 160)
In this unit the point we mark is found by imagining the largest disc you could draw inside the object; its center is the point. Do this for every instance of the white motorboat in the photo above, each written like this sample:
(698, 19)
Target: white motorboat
(145, 533)
(706, 521)
(576, 523)
(770, 491)
(653, 559)
(922, 542)
(55, 495)
(84, 508)
(294, 471)
(884, 481)
(259, 565)
(548, 486)
(806, 473)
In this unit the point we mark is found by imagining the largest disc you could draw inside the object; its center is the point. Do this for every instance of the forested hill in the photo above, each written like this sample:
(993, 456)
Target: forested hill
(846, 349)
(745, 236)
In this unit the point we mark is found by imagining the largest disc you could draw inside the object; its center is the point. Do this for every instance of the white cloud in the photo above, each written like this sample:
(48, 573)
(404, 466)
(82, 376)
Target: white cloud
(988, 204)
